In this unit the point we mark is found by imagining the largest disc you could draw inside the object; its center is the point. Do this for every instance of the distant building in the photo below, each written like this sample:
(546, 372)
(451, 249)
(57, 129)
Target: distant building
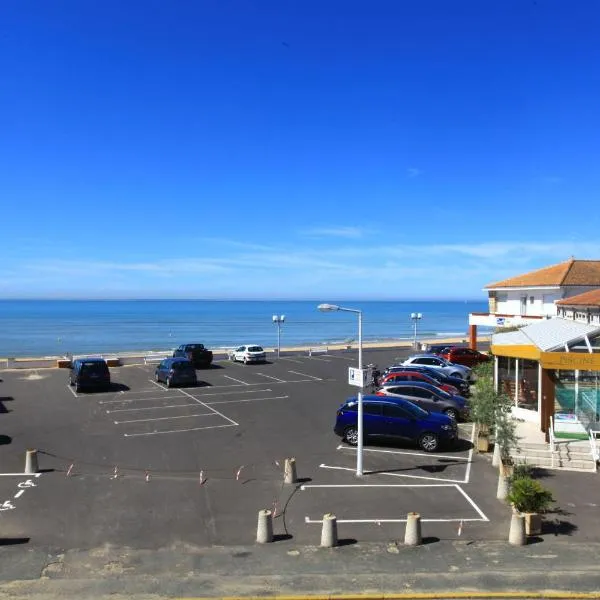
(536, 295)
(584, 308)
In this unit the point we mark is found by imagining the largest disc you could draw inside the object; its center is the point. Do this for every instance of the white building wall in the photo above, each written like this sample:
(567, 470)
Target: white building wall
(509, 303)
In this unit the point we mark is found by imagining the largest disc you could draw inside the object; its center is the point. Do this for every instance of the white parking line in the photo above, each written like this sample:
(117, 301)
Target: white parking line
(374, 485)
(108, 412)
(162, 387)
(234, 379)
(471, 502)
(235, 392)
(315, 358)
(20, 474)
(213, 409)
(178, 430)
(246, 400)
(211, 414)
(271, 377)
(304, 375)
(394, 474)
(342, 357)
(19, 493)
(139, 399)
(352, 449)
(377, 521)
(291, 360)
(470, 459)
(72, 391)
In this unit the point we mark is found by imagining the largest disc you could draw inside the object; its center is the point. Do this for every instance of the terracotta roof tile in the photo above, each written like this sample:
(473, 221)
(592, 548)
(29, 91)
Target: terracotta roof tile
(570, 272)
(591, 298)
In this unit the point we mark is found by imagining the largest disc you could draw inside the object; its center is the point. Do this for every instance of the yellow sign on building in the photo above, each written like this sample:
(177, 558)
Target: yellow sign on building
(582, 361)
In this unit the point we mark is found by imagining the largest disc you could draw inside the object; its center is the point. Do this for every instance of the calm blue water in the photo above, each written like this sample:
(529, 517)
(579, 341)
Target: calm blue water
(55, 327)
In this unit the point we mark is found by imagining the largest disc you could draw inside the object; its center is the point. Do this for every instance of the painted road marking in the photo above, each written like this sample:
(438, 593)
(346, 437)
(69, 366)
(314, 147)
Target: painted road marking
(427, 454)
(234, 379)
(468, 473)
(72, 391)
(179, 430)
(211, 414)
(6, 505)
(291, 360)
(471, 502)
(374, 485)
(213, 409)
(271, 377)
(377, 521)
(305, 375)
(342, 357)
(19, 493)
(139, 399)
(19, 474)
(162, 387)
(321, 359)
(246, 400)
(26, 484)
(108, 412)
(179, 396)
(394, 474)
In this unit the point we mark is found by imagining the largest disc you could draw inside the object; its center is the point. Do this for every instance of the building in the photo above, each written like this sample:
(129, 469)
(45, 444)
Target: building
(534, 296)
(583, 308)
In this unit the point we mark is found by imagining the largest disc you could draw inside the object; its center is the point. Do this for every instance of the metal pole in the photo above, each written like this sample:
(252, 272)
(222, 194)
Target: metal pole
(278, 338)
(359, 449)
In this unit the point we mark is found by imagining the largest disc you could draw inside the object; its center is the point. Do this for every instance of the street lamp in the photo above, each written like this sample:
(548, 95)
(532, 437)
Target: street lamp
(416, 317)
(278, 319)
(359, 444)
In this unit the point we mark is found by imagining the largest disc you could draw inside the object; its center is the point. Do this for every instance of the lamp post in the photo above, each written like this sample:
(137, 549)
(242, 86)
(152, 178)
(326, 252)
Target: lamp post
(359, 444)
(278, 320)
(416, 317)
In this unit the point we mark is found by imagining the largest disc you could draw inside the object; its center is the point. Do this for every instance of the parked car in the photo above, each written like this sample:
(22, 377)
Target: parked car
(200, 356)
(89, 374)
(176, 371)
(395, 418)
(248, 354)
(458, 382)
(437, 348)
(428, 397)
(437, 362)
(464, 356)
(408, 376)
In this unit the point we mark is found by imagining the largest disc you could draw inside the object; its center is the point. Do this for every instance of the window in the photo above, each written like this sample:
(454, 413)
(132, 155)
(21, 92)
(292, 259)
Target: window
(372, 408)
(531, 299)
(393, 410)
(420, 393)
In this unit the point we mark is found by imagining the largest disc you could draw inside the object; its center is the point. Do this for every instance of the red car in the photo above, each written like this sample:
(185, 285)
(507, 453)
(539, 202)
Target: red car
(401, 376)
(464, 356)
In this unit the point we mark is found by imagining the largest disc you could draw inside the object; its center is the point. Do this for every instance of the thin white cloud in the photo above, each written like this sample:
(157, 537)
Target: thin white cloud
(413, 172)
(336, 231)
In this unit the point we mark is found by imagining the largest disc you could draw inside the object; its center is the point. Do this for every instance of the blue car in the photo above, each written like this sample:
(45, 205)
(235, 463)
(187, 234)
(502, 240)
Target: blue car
(176, 371)
(386, 417)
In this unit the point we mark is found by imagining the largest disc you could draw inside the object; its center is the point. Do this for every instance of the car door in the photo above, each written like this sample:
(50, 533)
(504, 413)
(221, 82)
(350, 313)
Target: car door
(160, 370)
(397, 423)
(426, 399)
(373, 424)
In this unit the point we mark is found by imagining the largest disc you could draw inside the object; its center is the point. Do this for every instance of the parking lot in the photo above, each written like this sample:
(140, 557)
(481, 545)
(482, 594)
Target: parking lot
(145, 466)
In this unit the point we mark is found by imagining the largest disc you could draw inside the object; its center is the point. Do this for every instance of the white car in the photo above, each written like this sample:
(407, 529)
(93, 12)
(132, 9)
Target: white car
(248, 354)
(441, 364)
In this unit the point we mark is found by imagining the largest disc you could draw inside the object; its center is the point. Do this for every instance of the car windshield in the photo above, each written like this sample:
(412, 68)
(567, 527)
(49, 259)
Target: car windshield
(255, 349)
(415, 411)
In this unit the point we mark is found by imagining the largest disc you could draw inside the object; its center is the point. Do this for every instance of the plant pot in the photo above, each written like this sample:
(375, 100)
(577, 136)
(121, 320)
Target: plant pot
(533, 524)
(483, 443)
(507, 469)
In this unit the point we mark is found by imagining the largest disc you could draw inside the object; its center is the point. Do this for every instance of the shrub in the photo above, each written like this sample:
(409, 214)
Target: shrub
(529, 496)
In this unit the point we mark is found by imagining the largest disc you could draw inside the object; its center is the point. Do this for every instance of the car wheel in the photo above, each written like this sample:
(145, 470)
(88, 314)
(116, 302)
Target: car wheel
(77, 388)
(351, 436)
(168, 382)
(245, 360)
(429, 442)
(452, 413)
(459, 375)
(156, 378)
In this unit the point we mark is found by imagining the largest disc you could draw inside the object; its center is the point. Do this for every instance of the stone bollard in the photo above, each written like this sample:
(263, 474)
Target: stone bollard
(289, 471)
(264, 530)
(31, 462)
(503, 485)
(329, 537)
(412, 535)
(516, 535)
(496, 457)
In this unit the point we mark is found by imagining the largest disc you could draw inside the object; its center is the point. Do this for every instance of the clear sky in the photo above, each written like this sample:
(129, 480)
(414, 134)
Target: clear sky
(295, 148)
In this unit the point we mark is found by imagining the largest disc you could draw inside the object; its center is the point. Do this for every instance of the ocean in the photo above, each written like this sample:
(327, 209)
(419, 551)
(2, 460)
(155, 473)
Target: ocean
(58, 327)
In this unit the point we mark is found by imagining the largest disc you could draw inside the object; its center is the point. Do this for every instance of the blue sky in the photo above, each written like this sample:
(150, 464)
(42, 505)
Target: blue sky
(269, 149)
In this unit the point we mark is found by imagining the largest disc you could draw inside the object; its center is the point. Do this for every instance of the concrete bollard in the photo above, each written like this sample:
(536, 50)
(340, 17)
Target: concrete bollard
(264, 530)
(503, 485)
(496, 457)
(516, 535)
(329, 537)
(412, 535)
(31, 462)
(289, 471)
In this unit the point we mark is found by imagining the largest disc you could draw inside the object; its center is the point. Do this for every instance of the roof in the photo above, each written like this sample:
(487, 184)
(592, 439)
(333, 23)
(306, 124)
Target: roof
(547, 335)
(569, 272)
(591, 298)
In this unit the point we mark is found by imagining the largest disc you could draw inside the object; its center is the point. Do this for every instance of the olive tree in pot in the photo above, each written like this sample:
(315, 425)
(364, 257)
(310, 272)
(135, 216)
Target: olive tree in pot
(482, 406)
(505, 435)
(531, 499)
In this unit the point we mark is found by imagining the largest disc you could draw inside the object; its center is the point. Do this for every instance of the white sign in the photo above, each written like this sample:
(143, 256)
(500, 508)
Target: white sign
(359, 377)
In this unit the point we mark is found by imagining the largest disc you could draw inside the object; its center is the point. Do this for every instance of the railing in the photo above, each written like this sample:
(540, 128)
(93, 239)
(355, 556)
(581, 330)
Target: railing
(552, 441)
(594, 444)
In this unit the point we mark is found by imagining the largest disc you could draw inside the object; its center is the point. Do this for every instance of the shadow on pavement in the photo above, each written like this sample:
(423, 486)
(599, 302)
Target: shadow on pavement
(13, 541)
(5, 439)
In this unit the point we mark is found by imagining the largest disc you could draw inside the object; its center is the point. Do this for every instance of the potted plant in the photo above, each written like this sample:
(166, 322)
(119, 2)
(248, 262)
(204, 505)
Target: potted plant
(482, 407)
(506, 437)
(531, 499)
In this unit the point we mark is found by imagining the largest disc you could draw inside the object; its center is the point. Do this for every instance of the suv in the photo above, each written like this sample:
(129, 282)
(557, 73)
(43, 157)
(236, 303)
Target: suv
(197, 353)
(464, 356)
(176, 371)
(428, 397)
(408, 376)
(89, 373)
(395, 418)
(437, 362)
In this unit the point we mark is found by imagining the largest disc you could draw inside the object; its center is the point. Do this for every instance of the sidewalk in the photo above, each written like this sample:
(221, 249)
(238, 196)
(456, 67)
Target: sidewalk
(451, 569)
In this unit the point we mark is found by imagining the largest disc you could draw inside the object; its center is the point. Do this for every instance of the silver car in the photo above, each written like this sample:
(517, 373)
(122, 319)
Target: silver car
(437, 362)
(248, 354)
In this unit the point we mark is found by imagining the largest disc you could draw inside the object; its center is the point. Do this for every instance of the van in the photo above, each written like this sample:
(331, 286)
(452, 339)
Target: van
(89, 374)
